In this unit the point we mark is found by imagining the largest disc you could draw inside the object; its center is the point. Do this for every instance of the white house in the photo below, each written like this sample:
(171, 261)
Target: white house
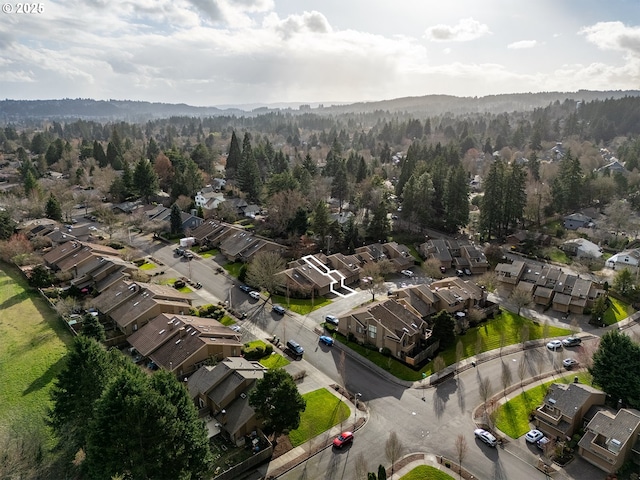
(627, 259)
(208, 198)
(581, 247)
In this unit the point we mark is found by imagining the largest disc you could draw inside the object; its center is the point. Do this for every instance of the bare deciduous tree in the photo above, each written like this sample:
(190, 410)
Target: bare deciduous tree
(522, 370)
(393, 449)
(372, 279)
(461, 450)
(459, 352)
(361, 467)
(485, 389)
(545, 329)
(506, 377)
(263, 271)
(520, 298)
(479, 345)
(438, 364)
(524, 334)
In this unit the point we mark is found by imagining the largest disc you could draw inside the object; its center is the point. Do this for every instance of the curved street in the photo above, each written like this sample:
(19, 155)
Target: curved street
(426, 420)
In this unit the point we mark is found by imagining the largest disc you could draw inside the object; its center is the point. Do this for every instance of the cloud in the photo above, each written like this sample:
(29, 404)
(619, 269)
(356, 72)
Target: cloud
(465, 30)
(210, 8)
(614, 36)
(522, 44)
(308, 22)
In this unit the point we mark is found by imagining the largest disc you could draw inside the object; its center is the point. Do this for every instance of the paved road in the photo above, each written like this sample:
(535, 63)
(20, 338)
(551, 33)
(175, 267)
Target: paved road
(427, 420)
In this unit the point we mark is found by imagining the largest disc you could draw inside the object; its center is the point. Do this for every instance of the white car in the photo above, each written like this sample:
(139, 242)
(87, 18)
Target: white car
(486, 437)
(235, 328)
(92, 228)
(407, 273)
(554, 345)
(255, 295)
(569, 363)
(532, 436)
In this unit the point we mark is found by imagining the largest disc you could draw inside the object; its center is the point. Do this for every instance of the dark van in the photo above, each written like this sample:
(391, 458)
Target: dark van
(295, 348)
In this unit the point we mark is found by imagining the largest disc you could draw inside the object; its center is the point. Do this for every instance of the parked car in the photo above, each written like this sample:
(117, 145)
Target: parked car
(459, 273)
(532, 436)
(345, 438)
(246, 288)
(333, 320)
(407, 273)
(467, 272)
(554, 345)
(295, 348)
(485, 436)
(279, 309)
(571, 341)
(443, 269)
(328, 341)
(255, 295)
(178, 251)
(542, 443)
(235, 328)
(569, 363)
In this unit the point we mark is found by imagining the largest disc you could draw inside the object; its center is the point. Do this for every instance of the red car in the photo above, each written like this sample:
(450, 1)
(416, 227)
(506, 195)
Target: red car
(343, 439)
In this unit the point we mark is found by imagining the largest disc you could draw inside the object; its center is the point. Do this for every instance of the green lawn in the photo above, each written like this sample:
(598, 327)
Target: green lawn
(148, 266)
(323, 411)
(513, 417)
(227, 321)
(275, 360)
(209, 253)
(426, 472)
(233, 268)
(32, 350)
(491, 334)
(301, 306)
(557, 255)
(617, 311)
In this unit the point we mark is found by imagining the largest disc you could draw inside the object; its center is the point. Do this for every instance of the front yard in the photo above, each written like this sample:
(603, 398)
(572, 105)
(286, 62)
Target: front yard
(512, 417)
(301, 306)
(324, 410)
(617, 311)
(503, 330)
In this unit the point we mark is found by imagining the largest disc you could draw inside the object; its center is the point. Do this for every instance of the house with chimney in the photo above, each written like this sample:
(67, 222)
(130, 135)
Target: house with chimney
(564, 408)
(222, 391)
(181, 344)
(130, 305)
(610, 439)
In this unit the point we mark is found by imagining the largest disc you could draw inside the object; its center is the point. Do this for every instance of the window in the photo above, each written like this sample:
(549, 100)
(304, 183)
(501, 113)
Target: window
(373, 330)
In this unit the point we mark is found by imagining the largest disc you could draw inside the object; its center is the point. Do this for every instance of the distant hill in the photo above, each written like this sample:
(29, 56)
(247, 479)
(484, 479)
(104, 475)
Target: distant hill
(428, 105)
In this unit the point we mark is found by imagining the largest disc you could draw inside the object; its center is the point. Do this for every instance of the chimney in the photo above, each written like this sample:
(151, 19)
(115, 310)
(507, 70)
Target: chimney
(170, 324)
(182, 332)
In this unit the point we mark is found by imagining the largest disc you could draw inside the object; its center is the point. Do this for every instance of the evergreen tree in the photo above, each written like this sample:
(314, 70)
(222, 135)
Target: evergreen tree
(309, 165)
(249, 173)
(379, 228)
(176, 219)
(81, 382)
(456, 202)
(52, 208)
(152, 149)
(114, 158)
(534, 166)
(277, 401)
(492, 201)
(233, 158)
(320, 220)
(515, 198)
(340, 184)
(99, 155)
(443, 329)
(30, 183)
(7, 225)
(566, 188)
(146, 427)
(92, 328)
(145, 179)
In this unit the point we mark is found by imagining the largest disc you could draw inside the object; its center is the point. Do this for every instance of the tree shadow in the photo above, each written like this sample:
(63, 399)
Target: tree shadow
(45, 379)
(441, 396)
(15, 300)
(460, 392)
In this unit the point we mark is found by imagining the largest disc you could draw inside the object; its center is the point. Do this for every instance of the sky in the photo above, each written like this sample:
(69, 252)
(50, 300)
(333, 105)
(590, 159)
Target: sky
(244, 52)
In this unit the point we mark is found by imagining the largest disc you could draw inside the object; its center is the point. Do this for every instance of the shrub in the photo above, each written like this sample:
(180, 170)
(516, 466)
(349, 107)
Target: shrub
(253, 352)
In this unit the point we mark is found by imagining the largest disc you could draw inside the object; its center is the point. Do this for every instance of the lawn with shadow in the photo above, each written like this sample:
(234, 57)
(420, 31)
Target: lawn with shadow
(323, 411)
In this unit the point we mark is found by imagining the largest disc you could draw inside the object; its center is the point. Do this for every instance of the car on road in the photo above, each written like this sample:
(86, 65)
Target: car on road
(569, 363)
(571, 341)
(485, 437)
(246, 288)
(333, 320)
(255, 295)
(532, 436)
(554, 345)
(345, 438)
(295, 348)
(92, 228)
(279, 309)
(328, 341)
(407, 273)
